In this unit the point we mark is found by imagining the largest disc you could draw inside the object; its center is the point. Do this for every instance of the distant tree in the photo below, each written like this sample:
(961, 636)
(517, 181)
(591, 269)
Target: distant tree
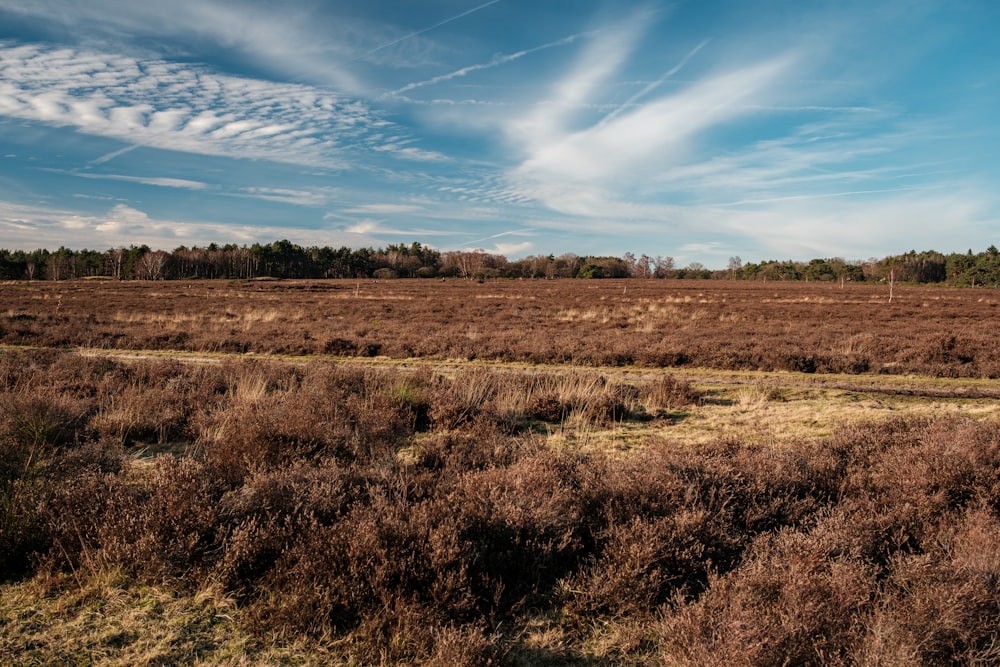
(644, 267)
(629, 262)
(694, 270)
(152, 265)
(114, 262)
(663, 267)
(734, 266)
(566, 265)
(819, 270)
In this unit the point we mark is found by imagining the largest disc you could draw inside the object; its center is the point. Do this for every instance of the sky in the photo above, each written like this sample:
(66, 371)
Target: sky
(700, 130)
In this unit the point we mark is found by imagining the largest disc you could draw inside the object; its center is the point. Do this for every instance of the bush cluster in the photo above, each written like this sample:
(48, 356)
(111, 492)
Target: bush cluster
(421, 518)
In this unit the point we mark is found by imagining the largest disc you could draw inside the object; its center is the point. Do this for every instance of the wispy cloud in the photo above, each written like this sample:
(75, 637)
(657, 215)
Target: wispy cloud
(297, 197)
(370, 227)
(179, 107)
(602, 57)
(163, 182)
(529, 231)
(508, 249)
(650, 87)
(277, 39)
(381, 209)
(642, 141)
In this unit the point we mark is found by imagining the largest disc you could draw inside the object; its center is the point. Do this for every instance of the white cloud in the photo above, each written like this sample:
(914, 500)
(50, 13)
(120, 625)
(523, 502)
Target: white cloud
(602, 57)
(857, 228)
(29, 227)
(313, 198)
(180, 107)
(382, 209)
(363, 227)
(289, 41)
(375, 227)
(512, 249)
(633, 145)
(163, 182)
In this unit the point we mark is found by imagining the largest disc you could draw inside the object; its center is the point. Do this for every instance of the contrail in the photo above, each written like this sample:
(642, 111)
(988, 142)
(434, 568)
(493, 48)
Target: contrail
(496, 62)
(112, 155)
(656, 84)
(512, 232)
(420, 32)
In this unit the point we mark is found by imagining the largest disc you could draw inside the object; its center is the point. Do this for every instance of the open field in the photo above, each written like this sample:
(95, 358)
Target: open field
(807, 327)
(550, 472)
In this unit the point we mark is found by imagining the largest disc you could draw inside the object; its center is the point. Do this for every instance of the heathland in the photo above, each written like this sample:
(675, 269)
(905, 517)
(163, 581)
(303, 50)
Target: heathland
(509, 472)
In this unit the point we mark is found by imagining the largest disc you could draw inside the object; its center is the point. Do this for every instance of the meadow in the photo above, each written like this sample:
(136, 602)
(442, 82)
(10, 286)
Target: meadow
(511, 472)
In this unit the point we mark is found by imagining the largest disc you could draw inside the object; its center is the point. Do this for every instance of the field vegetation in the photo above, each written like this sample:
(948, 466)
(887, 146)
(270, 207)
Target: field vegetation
(801, 327)
(517, 473)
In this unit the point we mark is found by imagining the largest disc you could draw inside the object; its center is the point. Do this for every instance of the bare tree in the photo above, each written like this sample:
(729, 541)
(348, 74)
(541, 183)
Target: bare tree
(643, 267)
(152, 265)
(735, 264)
(114, 260)
(628, 259)
(663, 266)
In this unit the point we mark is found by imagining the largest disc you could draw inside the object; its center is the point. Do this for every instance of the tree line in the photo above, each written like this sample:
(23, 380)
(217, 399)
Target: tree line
(283, 259)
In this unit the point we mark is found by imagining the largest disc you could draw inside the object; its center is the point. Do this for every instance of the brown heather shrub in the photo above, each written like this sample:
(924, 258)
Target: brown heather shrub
(23, 534)
(522, 524)
(338, 504)
(410, 634)
(482, 445)
(744, 324)
(460, 399)
(384, 563)
(654, 495)
(788, 604)
(929, 467)
(273, 508)
(643, 562)
(36, 421)
(36, 424)
(546, 407)
(941, 607)
(155, 523)
(141, 414)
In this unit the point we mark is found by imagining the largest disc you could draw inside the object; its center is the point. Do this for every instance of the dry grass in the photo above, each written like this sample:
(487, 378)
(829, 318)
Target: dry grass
(107, 619)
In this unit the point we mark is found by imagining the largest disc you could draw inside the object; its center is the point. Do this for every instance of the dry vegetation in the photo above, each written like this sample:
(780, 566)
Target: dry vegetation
(192, 506)
(801, 327)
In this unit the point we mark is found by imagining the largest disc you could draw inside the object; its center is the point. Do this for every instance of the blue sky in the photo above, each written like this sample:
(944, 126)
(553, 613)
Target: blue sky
(699, 130)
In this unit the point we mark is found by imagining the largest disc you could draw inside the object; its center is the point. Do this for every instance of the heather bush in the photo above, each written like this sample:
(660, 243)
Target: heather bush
(461, 399)
(787, 604)
(523, 525)
(940, 606)
(642, 562)
(157, 522)
(23, 533)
